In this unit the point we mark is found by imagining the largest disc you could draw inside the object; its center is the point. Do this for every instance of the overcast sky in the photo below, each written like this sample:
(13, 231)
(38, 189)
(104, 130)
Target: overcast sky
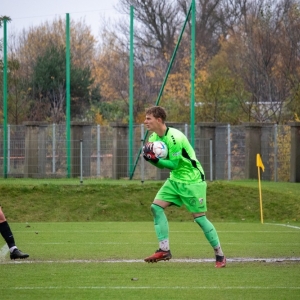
(27, 13)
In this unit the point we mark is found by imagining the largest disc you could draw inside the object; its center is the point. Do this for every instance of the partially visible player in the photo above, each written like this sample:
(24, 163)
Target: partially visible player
(186, 185)
(5, 231)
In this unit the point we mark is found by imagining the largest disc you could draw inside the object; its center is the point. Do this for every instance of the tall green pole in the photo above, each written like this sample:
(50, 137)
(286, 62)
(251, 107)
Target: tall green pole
(5, 98)
(192, 102)
(172, 59)
(68, 97)
(130, 142)
(164, 82)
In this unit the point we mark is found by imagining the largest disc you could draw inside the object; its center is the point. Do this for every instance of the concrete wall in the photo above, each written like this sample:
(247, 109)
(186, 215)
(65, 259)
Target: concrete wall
(35, 150)
(295, 152)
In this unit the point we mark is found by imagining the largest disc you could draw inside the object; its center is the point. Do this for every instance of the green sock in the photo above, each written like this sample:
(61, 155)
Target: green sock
(209, 230)
(161, 224)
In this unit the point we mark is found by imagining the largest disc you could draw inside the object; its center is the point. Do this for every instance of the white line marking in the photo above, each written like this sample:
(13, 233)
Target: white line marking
(192, 243)
(151, 231)
(153, 287)
(187, 260)
(285, 225)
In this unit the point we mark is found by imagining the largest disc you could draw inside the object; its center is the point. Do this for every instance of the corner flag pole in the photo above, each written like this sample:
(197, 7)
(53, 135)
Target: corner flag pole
(259, 165)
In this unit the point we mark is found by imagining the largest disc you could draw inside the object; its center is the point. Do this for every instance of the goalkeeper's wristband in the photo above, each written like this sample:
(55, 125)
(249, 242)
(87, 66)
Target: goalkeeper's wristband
(150, 158)
(145, 157)
(155, 160)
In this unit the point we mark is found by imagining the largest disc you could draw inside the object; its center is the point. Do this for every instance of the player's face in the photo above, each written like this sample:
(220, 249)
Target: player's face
(152, 123)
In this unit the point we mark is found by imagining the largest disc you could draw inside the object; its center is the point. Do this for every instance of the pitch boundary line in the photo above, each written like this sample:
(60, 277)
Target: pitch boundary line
(151, 287)
(187, 260)
(284, 225)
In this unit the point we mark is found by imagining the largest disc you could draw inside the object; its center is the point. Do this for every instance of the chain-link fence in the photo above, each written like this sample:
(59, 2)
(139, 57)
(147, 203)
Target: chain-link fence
(102, 152)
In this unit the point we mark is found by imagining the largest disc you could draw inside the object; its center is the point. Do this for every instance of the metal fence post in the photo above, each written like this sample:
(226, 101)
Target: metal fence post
(211, 159)
(186, 132)
(275, 152)
(142, 160)
(53, 148)
(228, 152)
(8, 149)
(98, 151)
(81, 162)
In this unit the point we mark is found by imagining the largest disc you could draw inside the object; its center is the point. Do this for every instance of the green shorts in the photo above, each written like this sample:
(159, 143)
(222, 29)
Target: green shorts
(192, 196)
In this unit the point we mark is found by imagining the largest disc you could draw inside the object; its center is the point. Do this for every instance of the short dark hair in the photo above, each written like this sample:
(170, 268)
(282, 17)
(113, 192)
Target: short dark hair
(157, 112)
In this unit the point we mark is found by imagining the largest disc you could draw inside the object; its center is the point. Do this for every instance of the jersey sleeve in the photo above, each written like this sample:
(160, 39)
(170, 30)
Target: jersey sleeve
(166, 163)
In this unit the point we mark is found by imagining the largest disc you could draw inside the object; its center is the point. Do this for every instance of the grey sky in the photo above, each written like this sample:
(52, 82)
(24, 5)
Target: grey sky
(27, 13)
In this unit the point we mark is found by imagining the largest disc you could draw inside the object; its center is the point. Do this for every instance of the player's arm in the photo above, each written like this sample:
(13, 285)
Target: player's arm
(150, 156)
(167, 164)
(170, 164)
(174, 154)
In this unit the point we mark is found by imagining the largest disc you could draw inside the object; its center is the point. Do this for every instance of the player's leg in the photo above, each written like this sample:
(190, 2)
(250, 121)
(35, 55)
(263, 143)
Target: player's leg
(196, 204)
(212, 237)
(161, 227)
(9, 238)
(166, 196)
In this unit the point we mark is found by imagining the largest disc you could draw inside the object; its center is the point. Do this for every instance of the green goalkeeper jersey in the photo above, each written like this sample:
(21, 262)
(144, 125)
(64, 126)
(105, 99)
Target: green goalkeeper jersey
(181, 159)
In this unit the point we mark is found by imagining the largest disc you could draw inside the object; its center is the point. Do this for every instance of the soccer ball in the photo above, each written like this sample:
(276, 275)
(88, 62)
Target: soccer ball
(160, 149)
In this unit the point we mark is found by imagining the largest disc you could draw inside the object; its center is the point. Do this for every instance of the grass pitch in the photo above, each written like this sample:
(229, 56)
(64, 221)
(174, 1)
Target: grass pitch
(104, 260)
(88, 242)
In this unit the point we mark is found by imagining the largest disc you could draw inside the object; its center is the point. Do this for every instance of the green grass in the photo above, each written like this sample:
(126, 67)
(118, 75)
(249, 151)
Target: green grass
(103, 260)
(116, 239)
(289, 189)
(29, 200)
(88, 242)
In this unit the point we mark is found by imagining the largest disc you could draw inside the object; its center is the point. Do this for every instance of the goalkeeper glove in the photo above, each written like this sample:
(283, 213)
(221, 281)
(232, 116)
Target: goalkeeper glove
(148, 153)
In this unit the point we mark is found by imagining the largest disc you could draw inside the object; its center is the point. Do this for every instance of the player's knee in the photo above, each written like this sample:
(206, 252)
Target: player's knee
(2, 216)
(156, 209)
(201, 220)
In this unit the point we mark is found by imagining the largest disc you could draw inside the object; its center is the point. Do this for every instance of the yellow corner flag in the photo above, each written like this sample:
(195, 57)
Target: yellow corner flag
(260, 164)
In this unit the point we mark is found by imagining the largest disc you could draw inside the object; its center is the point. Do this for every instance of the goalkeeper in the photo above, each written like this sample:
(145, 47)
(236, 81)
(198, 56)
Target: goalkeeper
(6, 233)
(186, 185)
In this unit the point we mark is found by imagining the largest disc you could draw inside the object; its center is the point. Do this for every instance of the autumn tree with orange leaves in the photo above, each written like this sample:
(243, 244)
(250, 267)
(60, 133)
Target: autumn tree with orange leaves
(247, 63)
(43, 84)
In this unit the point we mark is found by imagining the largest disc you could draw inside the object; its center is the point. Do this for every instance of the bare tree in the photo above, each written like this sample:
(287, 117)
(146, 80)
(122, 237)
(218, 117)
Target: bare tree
(158, 24)
(257, 54)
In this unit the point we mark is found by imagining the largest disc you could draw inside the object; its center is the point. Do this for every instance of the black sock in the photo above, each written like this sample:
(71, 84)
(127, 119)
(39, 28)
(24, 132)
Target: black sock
(7, 234)
(219, 258)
